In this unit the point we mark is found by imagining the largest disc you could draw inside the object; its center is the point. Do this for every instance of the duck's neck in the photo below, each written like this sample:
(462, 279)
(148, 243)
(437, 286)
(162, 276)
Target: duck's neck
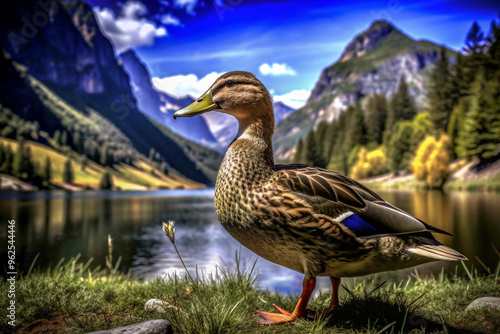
(250, 155)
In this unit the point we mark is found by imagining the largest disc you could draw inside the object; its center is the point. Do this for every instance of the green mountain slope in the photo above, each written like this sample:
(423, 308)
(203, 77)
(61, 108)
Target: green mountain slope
(372, 63)
(68, 80)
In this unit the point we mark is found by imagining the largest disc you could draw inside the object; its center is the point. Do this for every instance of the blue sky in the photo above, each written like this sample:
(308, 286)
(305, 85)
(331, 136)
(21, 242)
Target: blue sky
(186, 44)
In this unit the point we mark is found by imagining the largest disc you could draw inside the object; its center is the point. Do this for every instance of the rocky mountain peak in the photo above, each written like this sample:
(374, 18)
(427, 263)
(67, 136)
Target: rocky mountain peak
(368, 39)
(372, 63)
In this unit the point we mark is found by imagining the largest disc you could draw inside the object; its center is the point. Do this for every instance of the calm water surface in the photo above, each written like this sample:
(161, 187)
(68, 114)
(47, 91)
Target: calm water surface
(60, 224)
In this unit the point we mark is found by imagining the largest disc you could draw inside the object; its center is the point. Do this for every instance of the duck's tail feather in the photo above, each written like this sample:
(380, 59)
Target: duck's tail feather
(433, 249)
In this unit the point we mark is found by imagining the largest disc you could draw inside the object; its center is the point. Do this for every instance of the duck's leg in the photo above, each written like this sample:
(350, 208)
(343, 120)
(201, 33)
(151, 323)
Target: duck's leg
(333, 303)
(268, 318)
(335, 293)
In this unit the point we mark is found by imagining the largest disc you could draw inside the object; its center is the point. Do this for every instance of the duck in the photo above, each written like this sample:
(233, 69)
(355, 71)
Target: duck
(315, 221)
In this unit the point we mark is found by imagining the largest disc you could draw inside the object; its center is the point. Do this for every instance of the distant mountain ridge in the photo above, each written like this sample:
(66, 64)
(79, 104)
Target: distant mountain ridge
(69, 55)
(372, 63)
(161, 106)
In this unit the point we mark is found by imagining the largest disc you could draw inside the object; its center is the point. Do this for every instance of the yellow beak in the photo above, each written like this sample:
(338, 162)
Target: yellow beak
(198, 107)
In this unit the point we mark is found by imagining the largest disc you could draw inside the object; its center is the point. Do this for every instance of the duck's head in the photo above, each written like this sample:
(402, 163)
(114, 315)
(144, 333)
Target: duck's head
(237, 93)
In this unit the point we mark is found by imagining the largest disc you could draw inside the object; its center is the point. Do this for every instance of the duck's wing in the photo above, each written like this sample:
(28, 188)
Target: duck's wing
(347, 201)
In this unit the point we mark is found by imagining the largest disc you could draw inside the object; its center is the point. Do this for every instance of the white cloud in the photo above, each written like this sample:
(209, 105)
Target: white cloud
(161, 31)
(295, 99)
(188, 5)
(129, 28)
(276, 69)
(169, 19)
(182, 85)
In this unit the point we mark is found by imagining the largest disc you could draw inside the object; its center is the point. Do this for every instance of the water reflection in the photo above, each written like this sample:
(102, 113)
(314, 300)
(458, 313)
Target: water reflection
(60, 225)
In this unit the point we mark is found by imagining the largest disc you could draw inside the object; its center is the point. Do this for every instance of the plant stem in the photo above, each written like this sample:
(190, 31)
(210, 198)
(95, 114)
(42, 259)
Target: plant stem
(187, 271)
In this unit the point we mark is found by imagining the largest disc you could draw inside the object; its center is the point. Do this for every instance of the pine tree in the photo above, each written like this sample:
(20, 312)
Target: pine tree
(164, 168)
(68, 175)
(356, 130)
(377, 114)
(83, 163)
(480, 135)
(105, 159)
(440, 94)
(400, 148)
(405, 105)
(321, 134)
(77, 141)
(6, 166)
(311, 154)
(57, 137)
(459, 84)
(390, 120)
(475, 44)
(454, 126)
(475, 40)
(493, 53)
(64, 138)
(28, 164)
(402, 107)
(18, 163)
(2, 155)
(106, 181)
(46, 172)
(339, 154)
(299, 152)
(492, 117)
(331, 135)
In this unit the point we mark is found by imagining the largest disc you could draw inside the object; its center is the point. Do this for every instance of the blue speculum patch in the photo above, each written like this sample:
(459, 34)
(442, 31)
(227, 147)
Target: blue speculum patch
(359, 226)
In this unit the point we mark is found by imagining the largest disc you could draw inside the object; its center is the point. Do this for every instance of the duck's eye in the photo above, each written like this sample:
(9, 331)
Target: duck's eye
(229, 83)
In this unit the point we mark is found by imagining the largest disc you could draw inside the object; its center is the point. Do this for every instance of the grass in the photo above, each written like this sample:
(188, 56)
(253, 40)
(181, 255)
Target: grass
(483, 184)
(403, 184)
(75, 298)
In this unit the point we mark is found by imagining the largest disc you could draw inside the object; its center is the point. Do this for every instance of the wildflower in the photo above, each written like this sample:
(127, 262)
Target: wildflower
(169, 230)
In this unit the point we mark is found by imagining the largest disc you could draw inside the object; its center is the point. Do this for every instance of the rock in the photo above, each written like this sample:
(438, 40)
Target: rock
(485, 302)
(157, 326)
(155, 305)
(158, 305)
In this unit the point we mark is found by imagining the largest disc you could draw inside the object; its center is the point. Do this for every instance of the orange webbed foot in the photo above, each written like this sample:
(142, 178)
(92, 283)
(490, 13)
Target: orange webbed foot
(269, 318)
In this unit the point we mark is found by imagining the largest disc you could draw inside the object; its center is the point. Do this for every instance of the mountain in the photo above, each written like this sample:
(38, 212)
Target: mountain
(281, 111)
(372, 63)
(161, 106)
(66, 69)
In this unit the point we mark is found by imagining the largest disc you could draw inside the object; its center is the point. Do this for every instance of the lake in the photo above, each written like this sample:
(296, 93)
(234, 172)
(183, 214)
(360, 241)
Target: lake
(62, 224)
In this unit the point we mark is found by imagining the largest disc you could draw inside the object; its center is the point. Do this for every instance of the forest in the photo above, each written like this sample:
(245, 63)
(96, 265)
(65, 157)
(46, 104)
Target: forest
(461, 120)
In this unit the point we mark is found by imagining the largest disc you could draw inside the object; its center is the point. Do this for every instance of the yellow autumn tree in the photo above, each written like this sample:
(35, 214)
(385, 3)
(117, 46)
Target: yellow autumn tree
(431, 162)
(377, 161)
(419, 163)
(437, 165)
(359, 170)
(369, 164)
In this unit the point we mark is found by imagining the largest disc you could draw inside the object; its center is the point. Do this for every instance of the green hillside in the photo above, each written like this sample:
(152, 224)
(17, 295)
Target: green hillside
(52, 128)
